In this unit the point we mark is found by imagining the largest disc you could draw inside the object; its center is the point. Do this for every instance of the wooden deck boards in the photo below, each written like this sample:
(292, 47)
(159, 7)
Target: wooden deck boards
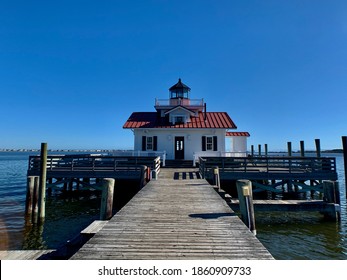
(174, 219)
(24, 254)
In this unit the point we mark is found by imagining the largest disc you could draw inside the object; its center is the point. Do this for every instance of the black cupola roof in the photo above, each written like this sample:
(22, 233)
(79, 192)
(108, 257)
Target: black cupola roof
(179, 90)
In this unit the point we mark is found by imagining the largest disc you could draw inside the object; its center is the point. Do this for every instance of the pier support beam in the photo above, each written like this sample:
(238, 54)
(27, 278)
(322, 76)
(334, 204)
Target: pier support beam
(318, 149)
(344, 145)
(302, 148)
(289, 144)
(244, 191)
(107, 199)
(31, 204)
(42, 185)
(216, 176)
(266, 150)
(332, 195)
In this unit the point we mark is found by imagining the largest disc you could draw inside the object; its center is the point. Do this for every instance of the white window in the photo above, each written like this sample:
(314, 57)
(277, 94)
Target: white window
(209, 143)
(149, 144)
(179, 119)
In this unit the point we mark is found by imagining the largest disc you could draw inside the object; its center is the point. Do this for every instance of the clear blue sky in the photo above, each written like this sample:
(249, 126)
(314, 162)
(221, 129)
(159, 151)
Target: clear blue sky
(72, 72)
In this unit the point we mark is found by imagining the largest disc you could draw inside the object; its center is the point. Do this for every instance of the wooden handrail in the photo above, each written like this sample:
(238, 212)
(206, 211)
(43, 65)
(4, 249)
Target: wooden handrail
(291, 164)
(92, 163)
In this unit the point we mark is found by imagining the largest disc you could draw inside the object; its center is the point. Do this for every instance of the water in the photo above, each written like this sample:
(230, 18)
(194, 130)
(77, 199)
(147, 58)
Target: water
(306, 235)
(65, 218)
(286, 235)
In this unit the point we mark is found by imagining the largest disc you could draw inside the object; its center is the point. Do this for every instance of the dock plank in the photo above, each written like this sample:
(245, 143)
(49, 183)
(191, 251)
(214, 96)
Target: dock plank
(24, 254)
(174, 219)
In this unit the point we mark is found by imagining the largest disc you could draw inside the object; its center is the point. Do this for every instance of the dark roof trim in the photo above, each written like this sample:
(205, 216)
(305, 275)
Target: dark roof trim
(180, 86)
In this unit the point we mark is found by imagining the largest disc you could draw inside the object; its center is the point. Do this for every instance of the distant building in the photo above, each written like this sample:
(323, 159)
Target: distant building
(184, 129)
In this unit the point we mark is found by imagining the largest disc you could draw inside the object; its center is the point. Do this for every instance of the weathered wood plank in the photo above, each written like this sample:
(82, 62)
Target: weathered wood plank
(23, 254)
(94, 227)
(174, 219)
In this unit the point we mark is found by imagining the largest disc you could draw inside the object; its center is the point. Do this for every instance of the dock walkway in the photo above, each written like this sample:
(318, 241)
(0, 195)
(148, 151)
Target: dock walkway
(178, 216)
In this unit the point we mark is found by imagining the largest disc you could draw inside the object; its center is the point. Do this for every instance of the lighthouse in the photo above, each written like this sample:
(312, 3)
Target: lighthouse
(182, 127)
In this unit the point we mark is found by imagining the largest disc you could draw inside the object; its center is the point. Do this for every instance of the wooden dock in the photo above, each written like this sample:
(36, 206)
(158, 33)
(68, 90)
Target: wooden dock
(178, 216)
(277, 175)
(270, 168)
(93, 166)
(24, 254)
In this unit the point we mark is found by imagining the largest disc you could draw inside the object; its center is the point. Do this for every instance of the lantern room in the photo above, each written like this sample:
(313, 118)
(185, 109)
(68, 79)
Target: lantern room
(179, 94)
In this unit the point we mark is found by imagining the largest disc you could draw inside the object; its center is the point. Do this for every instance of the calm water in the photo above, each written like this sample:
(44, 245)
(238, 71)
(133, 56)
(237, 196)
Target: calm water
(65, 218)
(285, 235)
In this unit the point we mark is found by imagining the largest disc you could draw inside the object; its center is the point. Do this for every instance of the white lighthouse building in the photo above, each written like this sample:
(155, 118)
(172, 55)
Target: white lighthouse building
(183, 128)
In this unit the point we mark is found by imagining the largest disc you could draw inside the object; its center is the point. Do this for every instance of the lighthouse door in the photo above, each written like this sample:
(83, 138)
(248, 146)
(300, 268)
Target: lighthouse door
(179, 147)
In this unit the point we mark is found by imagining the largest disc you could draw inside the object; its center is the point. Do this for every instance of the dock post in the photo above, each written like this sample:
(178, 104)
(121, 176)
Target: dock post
(29, 195)
(31, 208)
(332, 195)
(266, 151)
(107, 198)
(35, 207)
(318, 150)
(289, 144)
(216, 177)
(302, 148)
(252, 150)
(259, 150)
(143, 175)
(42, 185)
(344, 145)
(244, 191)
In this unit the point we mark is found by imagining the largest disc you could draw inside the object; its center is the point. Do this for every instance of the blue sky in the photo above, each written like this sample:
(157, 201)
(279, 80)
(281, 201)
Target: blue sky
(72, 72)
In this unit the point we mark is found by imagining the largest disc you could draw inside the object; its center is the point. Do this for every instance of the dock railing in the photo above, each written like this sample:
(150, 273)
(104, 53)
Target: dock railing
(136, 153)
(64, 164)
(270, 167)
(209, 154)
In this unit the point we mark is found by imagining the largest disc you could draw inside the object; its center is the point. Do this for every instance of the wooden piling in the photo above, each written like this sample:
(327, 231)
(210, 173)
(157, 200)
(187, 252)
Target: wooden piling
(70, 186)
(143, 175)
(216, 177)
(289, 144)
(244, 191)
(29, 195)
(302, 148)
(259, 150)
(266, 150)
(331, 193)
(42, 185)
(344, 146)
(318, 150)
(35, 205)
(252, 150)
(107, 198)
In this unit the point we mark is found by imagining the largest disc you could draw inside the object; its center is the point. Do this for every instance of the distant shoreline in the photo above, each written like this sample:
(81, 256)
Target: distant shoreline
(117, 150)
(312, 151)
(64, 150)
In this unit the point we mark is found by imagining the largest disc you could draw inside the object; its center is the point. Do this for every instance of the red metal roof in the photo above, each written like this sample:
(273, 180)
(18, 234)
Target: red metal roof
(153, 120)
(237, 134)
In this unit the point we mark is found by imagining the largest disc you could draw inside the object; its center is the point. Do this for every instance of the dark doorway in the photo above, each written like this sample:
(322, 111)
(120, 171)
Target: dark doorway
(179, 147)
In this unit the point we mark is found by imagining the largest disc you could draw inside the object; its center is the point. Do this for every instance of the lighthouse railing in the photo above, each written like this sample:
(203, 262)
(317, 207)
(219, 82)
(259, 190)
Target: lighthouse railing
(137, 153)
(167, 102)
(197, 155)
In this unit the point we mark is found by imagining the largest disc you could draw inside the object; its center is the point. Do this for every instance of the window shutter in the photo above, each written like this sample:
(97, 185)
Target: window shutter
(143, 143)
(155, 143)
(215, 146)
(203, 143)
